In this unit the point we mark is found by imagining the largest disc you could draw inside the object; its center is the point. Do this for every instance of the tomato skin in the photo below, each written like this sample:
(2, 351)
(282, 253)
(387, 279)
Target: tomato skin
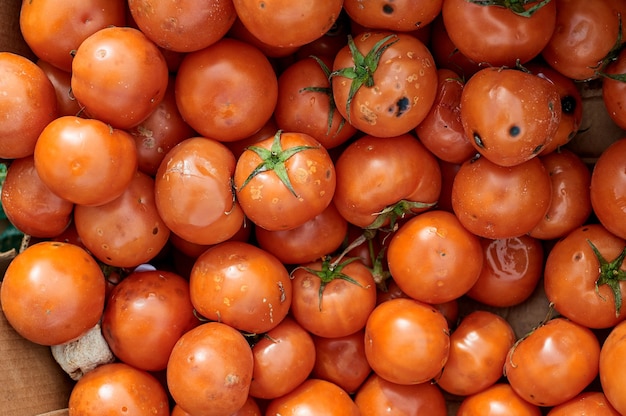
(613, 90)
(446, 53)
(406, 341)
(210, 370)
(608, 188)
(571, 272)
(553, 363)
(313, 397)
(241, 285)
(53, 292)
(118, 388)
(611, 361)
(61, 81)
(401, 16)
(497, 400)
(589, 402)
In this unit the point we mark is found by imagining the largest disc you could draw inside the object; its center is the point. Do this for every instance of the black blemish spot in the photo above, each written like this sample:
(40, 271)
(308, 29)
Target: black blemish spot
(155, 230)
(537, 149)
(478, 141)
(387, 9)
(402, 105)
(514, 131)
(568, 104)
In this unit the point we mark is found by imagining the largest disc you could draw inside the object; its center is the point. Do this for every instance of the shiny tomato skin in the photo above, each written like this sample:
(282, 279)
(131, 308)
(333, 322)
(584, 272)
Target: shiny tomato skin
(61, 81)
(611, 361)
(608, 188)
(313, 397)
(613, 90)
(401, 16)
(210, 370)
(446, 53)
(403, 91)
(146, 313)
(118, 388)
(588, 402)
(241, 285)
(53, 292)
(497, 400)
(406, 341)
(554, 363)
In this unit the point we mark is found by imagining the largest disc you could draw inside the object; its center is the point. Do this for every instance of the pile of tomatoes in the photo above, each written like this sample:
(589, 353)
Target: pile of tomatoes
(312, 189)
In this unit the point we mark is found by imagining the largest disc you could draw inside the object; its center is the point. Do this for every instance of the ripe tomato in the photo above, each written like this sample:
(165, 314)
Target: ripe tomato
(284, 181)
(588, 402)
(378, 396)
(497, 400)
(554, 363)
(511, 270)
(406, 341)
(288, 23)
(313, 397)
(53, 292)
(608, 188)
(486, 196)
(210, 370)
(509, 115)
(613, 88)
(118, 388)
(241, 285)
(384, 84)
(401, 16)
(27, 103)
(446, 53)
(611, 361)
(283, 358)
(333, 298)
(499, 33)
(381, 179)
(226, 91)
(146, 313)
(183, 27)
(30, 205)
(119, 76)
(85, 161)
(478, 349)
(61, 81)
(584, 276)
(193, 191)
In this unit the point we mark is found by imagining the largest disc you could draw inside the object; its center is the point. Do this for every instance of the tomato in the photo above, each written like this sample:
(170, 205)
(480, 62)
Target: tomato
(613, 88)
(611, 361)
(553, 363)
(288, 23)
(183, 27)
(28, 103)
(442, 131)
(509, 115)
(402, 16)
(585, 37)
(118, 388)
(486, 197)
(497, 400)
(226, 91)
(30, 205)
(241, 285)
(584, 276)
(85, 161)
(478, 349)
(193, 191)
(378, 396)
(332, 297)
(511, 270)
(284, 181)
(61, 81)
(283, 358)
(330, 42)
(313, 397)
(240, 32)
(119, 76)
(250, 408)
(446, 54)
(588, 402)
(210, 370)
(499, 33)
(384, 84)
(379, 181)
(406, 341)
(341, 360)
(53, 293)
(54, 29)
(305, 103)
(608, 188)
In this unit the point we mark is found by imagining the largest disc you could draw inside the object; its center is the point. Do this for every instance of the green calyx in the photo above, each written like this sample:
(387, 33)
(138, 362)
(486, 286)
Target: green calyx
(274, 160)
(611, 275)
(362, 73)
(612, 56)
(397, 211)
(516, 6)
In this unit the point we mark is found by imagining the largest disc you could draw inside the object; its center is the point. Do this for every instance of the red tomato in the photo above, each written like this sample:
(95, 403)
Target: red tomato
(53, 293)
(584, 276)
(210, 370)
(402, 16)
(497, 400)
(284, 181)
(118, 388)
(446, 53)
(384, 84)
(406, 341)
(313, 397)
(608, 188)
(240, 32)
(226, 91)
(61, 81)
(589, 402)
(241, 285)
(554, 363)
(611, 362)
(613, 89)
(119, 76)
(85, 161)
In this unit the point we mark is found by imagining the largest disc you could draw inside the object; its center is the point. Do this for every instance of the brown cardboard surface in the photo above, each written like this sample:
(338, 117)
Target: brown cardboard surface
(10, 39)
